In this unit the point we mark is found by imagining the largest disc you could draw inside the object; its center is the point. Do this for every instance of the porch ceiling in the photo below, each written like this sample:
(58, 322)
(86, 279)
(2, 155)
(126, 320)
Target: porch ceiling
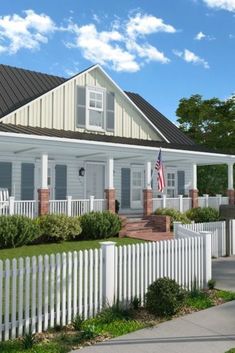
(35, 146)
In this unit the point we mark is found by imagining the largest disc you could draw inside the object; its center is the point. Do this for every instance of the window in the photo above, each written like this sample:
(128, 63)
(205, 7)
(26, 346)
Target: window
(95, 109)
(171, 184)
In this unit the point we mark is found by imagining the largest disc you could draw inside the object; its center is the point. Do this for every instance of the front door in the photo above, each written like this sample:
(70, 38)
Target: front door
(137, 184)
(95, 180)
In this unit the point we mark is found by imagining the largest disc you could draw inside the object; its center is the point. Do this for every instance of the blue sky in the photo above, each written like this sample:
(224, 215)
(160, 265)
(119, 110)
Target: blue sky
(162, 49)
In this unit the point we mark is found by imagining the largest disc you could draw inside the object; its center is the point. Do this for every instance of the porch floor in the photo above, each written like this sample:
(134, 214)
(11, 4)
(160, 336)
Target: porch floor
(152, 236)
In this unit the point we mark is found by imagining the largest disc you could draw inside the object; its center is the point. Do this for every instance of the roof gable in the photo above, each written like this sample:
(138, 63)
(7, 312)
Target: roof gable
(19, 87)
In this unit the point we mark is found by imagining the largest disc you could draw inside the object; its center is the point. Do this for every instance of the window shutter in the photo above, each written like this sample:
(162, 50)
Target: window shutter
(6, 175)
(60, 182)
(126, 187)
(181, 182)
(110, 111)
(27, 181)
(81, 106)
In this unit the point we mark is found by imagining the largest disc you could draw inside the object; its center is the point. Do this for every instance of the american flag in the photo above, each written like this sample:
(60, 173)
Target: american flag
(160, 172)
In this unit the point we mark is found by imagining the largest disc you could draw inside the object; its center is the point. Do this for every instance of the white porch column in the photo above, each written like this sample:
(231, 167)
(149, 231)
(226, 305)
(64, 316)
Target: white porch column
(44, 171)
(230, 176)
(194, 176)
(109, 190)
(109, 174)
(193, 193)
(148, 176)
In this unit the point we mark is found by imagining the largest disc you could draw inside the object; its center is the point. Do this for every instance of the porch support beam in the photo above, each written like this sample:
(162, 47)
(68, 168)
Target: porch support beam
(231, 191)
(148, 192)
(109, 190)
(193, 193)
(43, 192)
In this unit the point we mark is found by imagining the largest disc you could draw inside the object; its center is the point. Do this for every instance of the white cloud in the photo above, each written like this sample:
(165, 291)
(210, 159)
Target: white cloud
(200, 36)
(191, 57)
(123, 47)
(29, 32)
(102, 47)
(143, 24)
(228, 5)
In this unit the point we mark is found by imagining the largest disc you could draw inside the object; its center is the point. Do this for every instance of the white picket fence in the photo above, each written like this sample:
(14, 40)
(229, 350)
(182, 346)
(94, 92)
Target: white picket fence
(184, 204)
(232, 236)
(217, 230)
(41, 292)
(73, 207)
(21, 208)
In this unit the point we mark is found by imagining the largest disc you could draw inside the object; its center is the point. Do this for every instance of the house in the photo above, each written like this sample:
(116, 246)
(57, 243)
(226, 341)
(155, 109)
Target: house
(84, 138)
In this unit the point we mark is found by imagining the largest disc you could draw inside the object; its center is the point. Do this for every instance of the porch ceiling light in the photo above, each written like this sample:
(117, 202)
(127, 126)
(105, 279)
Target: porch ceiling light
(81, 172)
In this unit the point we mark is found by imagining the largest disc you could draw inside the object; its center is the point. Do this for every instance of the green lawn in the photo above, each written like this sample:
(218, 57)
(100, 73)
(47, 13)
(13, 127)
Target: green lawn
(43, 249)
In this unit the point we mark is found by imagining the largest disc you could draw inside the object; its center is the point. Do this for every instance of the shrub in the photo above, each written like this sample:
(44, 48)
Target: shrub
(77, 322)
(56, 228)
(17, 231)
(211, 284)
(99, 225)
(175, 215)
(28, 340)
(164, 297)
(135, 303)
(204, 214)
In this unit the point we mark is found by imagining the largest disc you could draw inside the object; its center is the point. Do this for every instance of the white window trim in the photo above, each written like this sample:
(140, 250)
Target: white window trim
(172, 171)
(95, 90)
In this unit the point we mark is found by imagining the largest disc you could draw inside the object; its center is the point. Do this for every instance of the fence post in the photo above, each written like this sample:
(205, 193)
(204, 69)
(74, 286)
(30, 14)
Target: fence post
(219, 199)
(163, 201)
(207, 263)
(92, 203)
(181, 208)
(11, 205)
(175, 227)
(206, 200)
(108, 272)
(69, 206)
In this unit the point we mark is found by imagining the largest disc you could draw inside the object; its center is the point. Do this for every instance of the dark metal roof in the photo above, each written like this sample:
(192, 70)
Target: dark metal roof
(167, 128)
(75, 135)
(20, 86)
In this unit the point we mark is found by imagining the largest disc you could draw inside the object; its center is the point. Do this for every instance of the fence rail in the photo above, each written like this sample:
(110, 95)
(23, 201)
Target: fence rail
(42, 292)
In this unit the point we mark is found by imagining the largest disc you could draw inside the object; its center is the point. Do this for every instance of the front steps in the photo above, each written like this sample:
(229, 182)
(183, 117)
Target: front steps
(141, 228)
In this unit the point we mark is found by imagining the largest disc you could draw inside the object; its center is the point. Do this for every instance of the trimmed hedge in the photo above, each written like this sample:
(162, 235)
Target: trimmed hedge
(175, 215)
(100, 225)
(57, 228)
(16, 231)
(203, 214)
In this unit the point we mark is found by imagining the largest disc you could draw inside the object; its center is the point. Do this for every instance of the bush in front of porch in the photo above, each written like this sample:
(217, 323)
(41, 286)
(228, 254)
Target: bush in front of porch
(176, 216)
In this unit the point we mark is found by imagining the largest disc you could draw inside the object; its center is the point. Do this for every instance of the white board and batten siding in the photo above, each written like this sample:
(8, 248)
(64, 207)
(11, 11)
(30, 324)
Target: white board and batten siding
(57, 109)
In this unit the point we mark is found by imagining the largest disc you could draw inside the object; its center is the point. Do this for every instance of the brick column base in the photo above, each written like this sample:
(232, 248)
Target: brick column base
(110, 197)
(160, 223)
(194, 195)
(43, 201)
(231, 196)
(148, 202)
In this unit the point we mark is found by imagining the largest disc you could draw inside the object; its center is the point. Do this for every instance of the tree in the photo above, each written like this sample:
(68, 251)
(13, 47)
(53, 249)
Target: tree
(211, 123)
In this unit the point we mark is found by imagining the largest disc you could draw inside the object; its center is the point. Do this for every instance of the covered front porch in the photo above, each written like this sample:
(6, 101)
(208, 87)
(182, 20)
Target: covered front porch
(45, 174)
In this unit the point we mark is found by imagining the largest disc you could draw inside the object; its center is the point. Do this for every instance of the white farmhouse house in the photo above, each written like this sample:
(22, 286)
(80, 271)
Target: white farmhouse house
(78, 144)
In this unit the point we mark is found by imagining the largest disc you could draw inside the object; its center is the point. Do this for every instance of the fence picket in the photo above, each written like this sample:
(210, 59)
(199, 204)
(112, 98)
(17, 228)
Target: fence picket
(34, 291)
(46, 294)
(1, 298)
(20, 296)
(75, 284)
(7, 297)
(52, 290)
(39, 306)
(13, 299)
(64, 287)
(27, 294)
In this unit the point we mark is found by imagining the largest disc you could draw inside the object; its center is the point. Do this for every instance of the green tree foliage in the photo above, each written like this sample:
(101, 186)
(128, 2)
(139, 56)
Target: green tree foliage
(211, 123)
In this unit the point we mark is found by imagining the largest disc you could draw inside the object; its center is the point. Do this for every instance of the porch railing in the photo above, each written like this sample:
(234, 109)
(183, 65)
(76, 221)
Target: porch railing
(184, 204)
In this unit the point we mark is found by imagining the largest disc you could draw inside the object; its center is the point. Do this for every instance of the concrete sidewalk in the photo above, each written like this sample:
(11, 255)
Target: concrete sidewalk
(223, 271)
(208, 331)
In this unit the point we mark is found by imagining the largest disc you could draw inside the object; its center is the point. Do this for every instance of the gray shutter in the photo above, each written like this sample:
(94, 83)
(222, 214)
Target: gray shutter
(126, 188)
(110, 111)
(181, 182)
(81, 106)
(60, 182)
(6, 175)
(27, 181)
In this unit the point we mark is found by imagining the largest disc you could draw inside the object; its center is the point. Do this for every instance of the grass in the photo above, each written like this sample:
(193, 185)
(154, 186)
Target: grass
(47, 249)
(111, 322)
(231, 351)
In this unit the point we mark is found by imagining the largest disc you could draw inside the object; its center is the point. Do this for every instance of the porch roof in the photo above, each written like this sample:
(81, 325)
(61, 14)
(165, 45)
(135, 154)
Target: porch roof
(33, 141)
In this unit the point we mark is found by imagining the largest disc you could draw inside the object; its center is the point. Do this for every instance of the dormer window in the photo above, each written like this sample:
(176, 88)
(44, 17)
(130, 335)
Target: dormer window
(95, 109)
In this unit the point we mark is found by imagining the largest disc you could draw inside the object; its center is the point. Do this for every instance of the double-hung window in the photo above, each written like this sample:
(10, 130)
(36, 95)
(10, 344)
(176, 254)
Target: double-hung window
(95, 109)
(171, 184)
